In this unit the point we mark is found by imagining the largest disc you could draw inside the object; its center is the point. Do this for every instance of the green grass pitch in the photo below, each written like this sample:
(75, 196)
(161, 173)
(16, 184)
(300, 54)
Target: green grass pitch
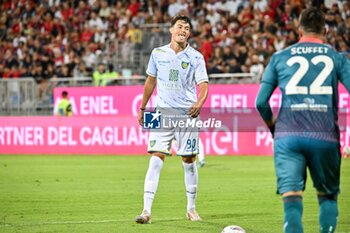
(104, 194)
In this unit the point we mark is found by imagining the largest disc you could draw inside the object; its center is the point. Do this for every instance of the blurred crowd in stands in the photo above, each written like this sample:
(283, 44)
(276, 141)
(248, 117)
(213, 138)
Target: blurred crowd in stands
(48, 39)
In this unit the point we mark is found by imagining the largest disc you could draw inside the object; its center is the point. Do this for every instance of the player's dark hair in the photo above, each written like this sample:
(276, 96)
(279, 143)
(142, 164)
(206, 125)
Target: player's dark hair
(64, 94)
(184, 18)
(312, 20)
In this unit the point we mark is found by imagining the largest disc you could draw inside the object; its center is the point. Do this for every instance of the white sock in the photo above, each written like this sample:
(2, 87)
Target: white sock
(191, 182)
(151, 182)
(200, 151)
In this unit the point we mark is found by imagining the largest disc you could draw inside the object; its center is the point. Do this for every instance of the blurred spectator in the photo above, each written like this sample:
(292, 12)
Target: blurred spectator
(232, 6)
(80, 70)
(37, 71)
(105, 10)
(89, 57)
(109, 76)
(15, 72)
(88, 32)
(213, 17)
(257, 68)
(64, 72)
(98, 74)
(233, 66)
(134, 7)
(25, 72)
(67, 11)
(96, 22)
(174, 8)
(135, 35)
(206, 48)
(64, 106)
(216, 63)
(227, 53)
(246, 16)
(184, 7)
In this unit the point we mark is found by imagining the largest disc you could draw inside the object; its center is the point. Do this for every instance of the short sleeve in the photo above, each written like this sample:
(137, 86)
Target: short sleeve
(270, 73)
(200, 70)
(152, 68)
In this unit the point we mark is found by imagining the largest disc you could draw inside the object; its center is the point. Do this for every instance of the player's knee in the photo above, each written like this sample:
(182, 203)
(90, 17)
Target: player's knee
(326, 197)
(189, 159)
(292, 193)
(159, 155)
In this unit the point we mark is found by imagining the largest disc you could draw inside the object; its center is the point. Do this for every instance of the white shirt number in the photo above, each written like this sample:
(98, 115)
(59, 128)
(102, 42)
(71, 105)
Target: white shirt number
(316, 87)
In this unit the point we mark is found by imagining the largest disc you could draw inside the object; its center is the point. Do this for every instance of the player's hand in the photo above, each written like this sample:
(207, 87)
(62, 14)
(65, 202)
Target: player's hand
(271, 124)
(272, 130)
(195, 110)
(140, 117)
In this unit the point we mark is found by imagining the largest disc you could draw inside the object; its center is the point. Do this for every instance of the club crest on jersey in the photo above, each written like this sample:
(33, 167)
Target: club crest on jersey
(152, 143)
(184, 64)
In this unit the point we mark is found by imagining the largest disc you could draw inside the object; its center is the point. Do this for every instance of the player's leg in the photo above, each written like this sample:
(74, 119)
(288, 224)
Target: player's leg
(150, 186)
(293, 211)
(191, 183)
(159, 145)
(328, 213)
(290, 166)
(200, 156)
(188, 148)
(324, 164)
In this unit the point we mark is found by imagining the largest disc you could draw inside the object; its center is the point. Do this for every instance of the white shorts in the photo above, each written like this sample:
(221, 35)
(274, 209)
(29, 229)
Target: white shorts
(187, 140)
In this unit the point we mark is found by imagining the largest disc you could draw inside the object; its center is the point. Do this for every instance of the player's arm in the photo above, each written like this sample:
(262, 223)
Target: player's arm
(202, 96)
(344, 72)
(267, 87)
(262, 104)
(150, 84)
(201, 78)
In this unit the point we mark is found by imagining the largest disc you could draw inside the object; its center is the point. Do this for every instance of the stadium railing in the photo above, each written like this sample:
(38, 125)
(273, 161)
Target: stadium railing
(232, 78)
(17, 96)
(24, 96)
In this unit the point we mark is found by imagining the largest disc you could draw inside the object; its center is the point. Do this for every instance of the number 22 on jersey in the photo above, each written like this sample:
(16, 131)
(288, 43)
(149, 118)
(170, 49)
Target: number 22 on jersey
(316, 87)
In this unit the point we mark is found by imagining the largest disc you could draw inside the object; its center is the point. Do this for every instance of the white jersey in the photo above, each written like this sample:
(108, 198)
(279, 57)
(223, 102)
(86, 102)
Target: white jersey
(177, 75)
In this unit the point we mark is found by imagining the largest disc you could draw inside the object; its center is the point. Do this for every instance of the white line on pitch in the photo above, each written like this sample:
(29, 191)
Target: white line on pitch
(79, 222)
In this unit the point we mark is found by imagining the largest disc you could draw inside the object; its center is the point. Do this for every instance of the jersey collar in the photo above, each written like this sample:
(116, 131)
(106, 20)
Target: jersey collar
(306, 39)
(183, 51)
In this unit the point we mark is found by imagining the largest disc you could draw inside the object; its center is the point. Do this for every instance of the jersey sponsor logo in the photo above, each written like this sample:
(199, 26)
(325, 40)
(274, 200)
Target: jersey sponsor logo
(309, 105)
(163, 61)
(171, 86)
(173, 75)
(184, 64)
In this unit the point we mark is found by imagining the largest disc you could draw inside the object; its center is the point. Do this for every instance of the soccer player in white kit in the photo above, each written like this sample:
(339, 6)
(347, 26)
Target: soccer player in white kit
(175, 69)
